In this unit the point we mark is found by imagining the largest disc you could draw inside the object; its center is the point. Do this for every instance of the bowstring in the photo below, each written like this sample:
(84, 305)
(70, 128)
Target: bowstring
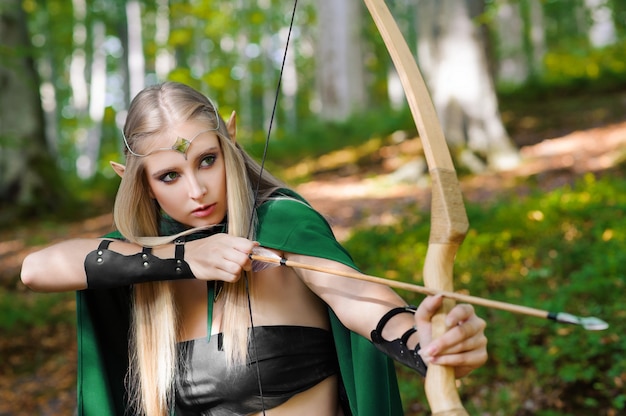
(256, 195)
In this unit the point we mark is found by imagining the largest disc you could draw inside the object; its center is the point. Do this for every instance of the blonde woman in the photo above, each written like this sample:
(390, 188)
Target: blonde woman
(172, 318)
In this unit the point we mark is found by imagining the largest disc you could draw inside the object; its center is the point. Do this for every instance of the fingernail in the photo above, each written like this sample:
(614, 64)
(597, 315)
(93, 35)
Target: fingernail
(425, 357)
(429, 351)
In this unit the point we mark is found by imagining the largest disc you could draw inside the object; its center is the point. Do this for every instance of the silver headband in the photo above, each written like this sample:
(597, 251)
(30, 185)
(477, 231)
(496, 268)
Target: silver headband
(181, 144)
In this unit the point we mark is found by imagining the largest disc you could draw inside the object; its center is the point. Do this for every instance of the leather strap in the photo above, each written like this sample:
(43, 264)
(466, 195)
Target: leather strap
(398, 349)
(107, 269)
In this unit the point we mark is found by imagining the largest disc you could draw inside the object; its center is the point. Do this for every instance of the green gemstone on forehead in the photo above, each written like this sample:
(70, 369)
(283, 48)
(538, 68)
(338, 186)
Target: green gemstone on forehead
(181, 145)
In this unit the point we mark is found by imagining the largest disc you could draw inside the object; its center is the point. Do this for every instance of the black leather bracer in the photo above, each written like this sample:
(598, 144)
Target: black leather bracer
(107, 269)
(398, 349)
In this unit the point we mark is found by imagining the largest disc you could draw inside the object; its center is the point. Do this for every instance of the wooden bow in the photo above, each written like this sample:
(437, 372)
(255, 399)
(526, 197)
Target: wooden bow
(448, 217)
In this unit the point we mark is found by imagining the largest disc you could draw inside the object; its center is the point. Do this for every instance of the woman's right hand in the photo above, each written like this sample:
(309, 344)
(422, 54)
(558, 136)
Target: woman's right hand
(219, 257)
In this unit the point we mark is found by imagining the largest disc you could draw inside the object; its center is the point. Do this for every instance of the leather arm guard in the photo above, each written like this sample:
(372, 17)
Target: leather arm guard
(106, 269)
(398, 349)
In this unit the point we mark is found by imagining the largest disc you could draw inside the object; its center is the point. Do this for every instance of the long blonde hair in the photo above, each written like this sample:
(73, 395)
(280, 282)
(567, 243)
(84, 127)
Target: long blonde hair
(153, 353)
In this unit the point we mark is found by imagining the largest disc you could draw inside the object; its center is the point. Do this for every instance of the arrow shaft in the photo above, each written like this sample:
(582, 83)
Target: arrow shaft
(475, 300)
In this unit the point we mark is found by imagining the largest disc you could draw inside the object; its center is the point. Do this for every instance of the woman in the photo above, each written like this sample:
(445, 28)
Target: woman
(190, 328)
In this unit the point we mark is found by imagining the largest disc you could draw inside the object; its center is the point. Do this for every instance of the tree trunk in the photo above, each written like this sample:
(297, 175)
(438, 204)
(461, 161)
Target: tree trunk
(512, 66)
(28, 175)
(602, 31)
(164, 60)
(521, 41)
(340, 79)
(87, 163)
(537, 37)
(452, 54)
(136, 61)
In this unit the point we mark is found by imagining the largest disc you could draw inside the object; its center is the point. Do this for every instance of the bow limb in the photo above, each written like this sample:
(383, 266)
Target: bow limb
(448, 217)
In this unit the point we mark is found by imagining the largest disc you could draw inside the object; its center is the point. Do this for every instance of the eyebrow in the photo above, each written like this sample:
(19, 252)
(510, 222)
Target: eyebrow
(198, 157)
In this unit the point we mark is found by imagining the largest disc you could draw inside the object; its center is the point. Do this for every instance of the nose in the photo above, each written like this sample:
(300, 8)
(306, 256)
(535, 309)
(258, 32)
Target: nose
(197, 189)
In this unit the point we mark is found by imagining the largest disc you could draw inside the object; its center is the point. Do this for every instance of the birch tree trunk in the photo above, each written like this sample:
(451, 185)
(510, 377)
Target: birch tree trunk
(340, 78)
(537, 36)
(512, 66)
(28, 175)
(521, 40)
(164, 60)
(136, 61)
(602, 30)
(453, 58)
(87, 163)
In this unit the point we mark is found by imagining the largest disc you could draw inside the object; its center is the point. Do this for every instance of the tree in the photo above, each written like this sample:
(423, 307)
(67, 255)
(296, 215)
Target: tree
(28, 174)
(513, 63)
(341, 85)
(452, 56)
(520, 40)
(602, 29)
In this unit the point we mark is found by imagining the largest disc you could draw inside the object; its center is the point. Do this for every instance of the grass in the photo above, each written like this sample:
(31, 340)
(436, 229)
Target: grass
(562, 250)
(25, 309)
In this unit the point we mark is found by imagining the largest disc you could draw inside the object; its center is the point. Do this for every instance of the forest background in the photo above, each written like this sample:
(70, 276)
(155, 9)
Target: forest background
(531, 95)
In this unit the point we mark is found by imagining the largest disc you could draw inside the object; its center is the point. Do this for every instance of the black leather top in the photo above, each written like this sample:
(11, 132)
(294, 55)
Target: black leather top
(292, 359)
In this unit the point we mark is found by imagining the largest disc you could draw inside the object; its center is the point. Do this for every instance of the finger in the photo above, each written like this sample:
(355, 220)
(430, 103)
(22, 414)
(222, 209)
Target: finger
(230, 241)
(462, 323)
(474, 342)
(459, 314)
(427, 309)
(464, 336)
(474, 355)
(248, 265)
(223, 264)
(244, 245)
(234, 261)
(469, 359)
(423, 316)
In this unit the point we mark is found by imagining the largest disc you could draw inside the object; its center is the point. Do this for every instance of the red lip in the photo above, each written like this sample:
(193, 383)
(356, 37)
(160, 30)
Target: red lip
(203, 211)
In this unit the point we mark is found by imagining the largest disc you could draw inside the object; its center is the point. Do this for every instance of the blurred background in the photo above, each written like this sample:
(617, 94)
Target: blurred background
(531, 95)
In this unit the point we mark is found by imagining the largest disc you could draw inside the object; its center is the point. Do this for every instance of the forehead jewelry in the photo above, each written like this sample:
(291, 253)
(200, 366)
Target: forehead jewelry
(181, 144)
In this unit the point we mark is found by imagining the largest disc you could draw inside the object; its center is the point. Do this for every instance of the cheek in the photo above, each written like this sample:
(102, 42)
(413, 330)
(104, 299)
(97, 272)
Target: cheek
(224, 188)
(154, 189)
(152, 186)
(223, 183)
(164, 195)
(215, 179)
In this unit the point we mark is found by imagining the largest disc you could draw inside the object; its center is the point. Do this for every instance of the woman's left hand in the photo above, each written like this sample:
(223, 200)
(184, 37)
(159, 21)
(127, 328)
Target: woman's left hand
(463, 346)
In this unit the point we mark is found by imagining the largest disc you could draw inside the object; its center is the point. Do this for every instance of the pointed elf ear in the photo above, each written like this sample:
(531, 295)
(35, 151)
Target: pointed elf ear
(231, 126)
(118, 168)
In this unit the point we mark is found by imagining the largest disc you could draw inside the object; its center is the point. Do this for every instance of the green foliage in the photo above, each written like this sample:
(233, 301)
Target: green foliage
(584, 66)
(561, 251)
(34, 310)
(316, 137)
(231, 51)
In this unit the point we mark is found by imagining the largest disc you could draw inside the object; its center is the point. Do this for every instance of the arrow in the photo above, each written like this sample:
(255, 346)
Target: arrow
(590, 323)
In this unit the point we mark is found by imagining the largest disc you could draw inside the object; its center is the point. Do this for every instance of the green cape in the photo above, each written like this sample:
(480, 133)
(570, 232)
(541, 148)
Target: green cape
(284, 224)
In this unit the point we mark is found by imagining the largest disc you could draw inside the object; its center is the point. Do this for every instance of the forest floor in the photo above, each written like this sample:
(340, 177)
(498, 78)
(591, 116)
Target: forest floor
(559, 142)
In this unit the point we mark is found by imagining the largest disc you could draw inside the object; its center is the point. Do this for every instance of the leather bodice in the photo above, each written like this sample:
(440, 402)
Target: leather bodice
(291, 359)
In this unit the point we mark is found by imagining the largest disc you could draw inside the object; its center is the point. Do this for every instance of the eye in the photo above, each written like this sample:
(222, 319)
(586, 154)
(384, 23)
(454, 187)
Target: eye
(168, 177)
(208, 160)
